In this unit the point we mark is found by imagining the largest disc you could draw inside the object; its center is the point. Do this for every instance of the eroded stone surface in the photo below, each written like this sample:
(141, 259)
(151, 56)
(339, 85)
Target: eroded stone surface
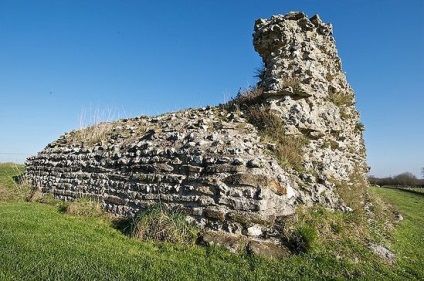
(193, 160)
(212, 164)
(304, 83)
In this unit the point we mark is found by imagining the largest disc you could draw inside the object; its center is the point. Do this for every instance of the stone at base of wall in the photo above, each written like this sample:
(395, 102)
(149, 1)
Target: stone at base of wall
(240, 244)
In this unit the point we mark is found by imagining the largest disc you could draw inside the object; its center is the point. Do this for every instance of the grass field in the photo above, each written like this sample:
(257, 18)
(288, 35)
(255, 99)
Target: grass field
(409, 235)
(41, 242)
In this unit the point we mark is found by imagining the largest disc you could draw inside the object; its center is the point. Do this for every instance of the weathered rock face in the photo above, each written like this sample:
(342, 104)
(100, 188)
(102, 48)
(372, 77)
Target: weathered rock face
(212, 163)
(304, 83)
(217, 171)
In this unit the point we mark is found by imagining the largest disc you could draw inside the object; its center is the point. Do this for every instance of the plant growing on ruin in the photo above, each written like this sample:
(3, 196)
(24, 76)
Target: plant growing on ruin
(95, 126)
(302, 239)
(244, 99)
(353, 190)
(85, 207)
(340, 99)
(260, 72)
(329, 76)
(93, 134)
(292, 81)
(359, 127)
(159, 223)
(288, 148)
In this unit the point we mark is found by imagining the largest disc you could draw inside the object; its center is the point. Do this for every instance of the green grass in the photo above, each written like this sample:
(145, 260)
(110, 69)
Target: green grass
(41, 242)
(10, 190)
(409, 235)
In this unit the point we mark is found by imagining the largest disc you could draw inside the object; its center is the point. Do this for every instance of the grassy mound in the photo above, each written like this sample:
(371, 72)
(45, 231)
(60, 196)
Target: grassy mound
(12, 185)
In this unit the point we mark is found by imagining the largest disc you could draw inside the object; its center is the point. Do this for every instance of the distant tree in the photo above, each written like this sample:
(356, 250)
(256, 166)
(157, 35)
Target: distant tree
(422, 171)
(374, 180)
(387, 181)
(405, 179)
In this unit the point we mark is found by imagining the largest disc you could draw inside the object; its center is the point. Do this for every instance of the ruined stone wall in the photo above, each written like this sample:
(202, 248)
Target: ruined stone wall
(213, 167)
(212, 163)
(304, 83)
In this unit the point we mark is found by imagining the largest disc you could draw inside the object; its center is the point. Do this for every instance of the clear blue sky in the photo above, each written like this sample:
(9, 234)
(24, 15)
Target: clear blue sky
(60, 59)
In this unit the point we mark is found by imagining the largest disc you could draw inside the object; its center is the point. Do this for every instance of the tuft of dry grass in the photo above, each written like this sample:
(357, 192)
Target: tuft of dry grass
(341, 99)
(158, 223)
(293, 82)
(95, 126)
(354, 191)
(244, 99)
(288, 148)
(93, 134)
(13, 184)
(85, 207)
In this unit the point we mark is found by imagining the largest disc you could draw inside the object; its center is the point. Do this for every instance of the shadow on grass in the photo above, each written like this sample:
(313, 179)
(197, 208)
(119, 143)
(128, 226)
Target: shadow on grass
(19, 179)
(123, 225)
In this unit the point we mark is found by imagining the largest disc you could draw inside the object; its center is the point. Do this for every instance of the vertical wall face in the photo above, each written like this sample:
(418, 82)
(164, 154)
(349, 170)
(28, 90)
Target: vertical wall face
(213, 168)
(304, 83)
(300, 56)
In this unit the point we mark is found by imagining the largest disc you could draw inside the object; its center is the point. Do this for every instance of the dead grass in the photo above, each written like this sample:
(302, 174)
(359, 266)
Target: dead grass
(85, 207)
(293, 82)
(13, 184)
(93, 134)
(158, 223)
(353, 192)
(244, 99)
(95, 125)
(342, 101)
(287, 148)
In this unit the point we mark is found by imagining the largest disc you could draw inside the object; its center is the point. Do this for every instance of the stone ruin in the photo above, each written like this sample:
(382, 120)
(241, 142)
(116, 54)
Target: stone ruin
(213, 163)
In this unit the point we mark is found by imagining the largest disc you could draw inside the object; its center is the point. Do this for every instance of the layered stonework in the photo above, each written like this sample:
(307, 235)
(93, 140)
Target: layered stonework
(211, 163)
(304, 83)
(217, 171)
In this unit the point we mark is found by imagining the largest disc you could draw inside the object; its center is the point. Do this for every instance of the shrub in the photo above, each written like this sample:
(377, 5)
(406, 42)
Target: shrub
(159, 223)
(406, 179)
